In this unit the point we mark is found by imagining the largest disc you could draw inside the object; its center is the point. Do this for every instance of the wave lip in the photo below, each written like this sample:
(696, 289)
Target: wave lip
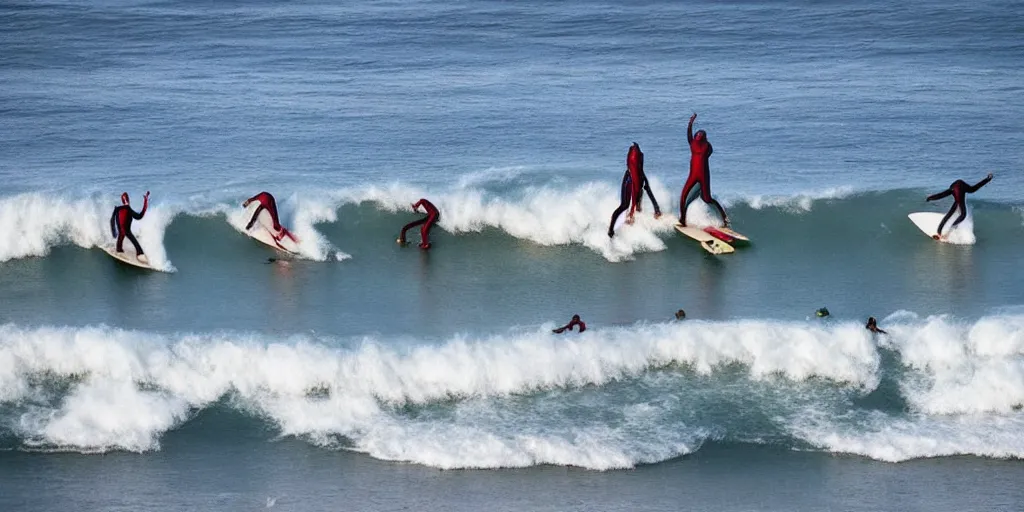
(32, 224)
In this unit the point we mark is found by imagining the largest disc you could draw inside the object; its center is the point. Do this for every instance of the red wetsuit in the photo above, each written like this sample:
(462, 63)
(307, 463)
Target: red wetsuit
(700, 173)
(959, 190)
(121, 225)
(572, 323)
(266, 201)
(635, 166)
(576, 322)
(634, 182)
(427, 222)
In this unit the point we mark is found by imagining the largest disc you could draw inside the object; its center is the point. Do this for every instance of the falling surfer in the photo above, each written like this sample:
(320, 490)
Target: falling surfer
(267, 202)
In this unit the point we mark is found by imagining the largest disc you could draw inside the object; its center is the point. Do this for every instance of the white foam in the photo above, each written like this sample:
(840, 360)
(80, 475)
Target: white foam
(963, 381)
(962, 368)
(514, 399)
(896, 439)
(795, 203)
(131, 387)
(963, 233)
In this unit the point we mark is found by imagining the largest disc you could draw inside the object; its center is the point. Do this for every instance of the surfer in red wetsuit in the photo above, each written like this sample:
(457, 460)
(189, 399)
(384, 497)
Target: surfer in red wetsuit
(959, 190)
(121, 222)
(634, 183)
(700, 173)
(872, 326)
(572, 323)
(428, 223)
(267, 201)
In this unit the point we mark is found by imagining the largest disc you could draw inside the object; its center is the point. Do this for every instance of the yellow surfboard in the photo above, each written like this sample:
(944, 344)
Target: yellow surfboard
(128, 256)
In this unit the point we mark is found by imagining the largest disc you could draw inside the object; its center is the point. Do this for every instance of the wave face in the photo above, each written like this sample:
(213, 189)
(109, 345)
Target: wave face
(546, 215)
(609, 398)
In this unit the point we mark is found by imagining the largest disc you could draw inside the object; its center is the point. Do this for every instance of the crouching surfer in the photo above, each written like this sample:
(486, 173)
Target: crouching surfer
(268, 203)
(427, 223)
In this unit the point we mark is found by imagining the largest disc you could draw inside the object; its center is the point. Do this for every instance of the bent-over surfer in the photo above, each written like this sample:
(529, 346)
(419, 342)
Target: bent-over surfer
(267, 202)
(427, 222)
(700, 173)
(121, 222)
(959, 190)
(575, 322)
(634, 183)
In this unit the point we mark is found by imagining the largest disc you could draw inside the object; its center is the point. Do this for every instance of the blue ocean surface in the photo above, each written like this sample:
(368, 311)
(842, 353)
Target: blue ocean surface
(234, 378)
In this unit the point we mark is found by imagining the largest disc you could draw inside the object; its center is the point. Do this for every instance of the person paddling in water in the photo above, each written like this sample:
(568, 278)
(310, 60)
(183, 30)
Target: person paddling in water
(267, 202)
(872, 326)
(575, 322)
(634, 183)
(121, 223)
(700, 173)
(427, 222)
(959, 190)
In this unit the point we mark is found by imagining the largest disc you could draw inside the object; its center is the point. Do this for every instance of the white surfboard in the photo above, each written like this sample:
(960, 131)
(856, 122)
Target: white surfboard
(128, 255)
(708, 242)
(263, 231)
(928, 223)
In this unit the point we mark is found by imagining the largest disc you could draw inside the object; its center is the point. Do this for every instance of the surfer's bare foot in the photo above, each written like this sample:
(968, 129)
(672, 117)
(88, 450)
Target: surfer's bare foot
(936, 237)
(657, 215)
(630, 220)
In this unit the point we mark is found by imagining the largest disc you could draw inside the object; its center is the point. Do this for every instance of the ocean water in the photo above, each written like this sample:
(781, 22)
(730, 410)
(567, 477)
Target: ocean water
(356, 375)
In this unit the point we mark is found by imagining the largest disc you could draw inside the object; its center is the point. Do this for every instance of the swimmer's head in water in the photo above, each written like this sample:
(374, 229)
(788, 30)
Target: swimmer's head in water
(680, 314)
(823, 312)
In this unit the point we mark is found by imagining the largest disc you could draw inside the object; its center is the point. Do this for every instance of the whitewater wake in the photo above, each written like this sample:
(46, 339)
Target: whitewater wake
(608, 398)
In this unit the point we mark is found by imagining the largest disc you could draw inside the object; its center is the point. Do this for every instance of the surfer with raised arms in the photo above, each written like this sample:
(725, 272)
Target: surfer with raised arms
(427, 222)
(575, 322)
(959, 190)
(267, 202)
(700, 173)
(121, 223)
(634, 183)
